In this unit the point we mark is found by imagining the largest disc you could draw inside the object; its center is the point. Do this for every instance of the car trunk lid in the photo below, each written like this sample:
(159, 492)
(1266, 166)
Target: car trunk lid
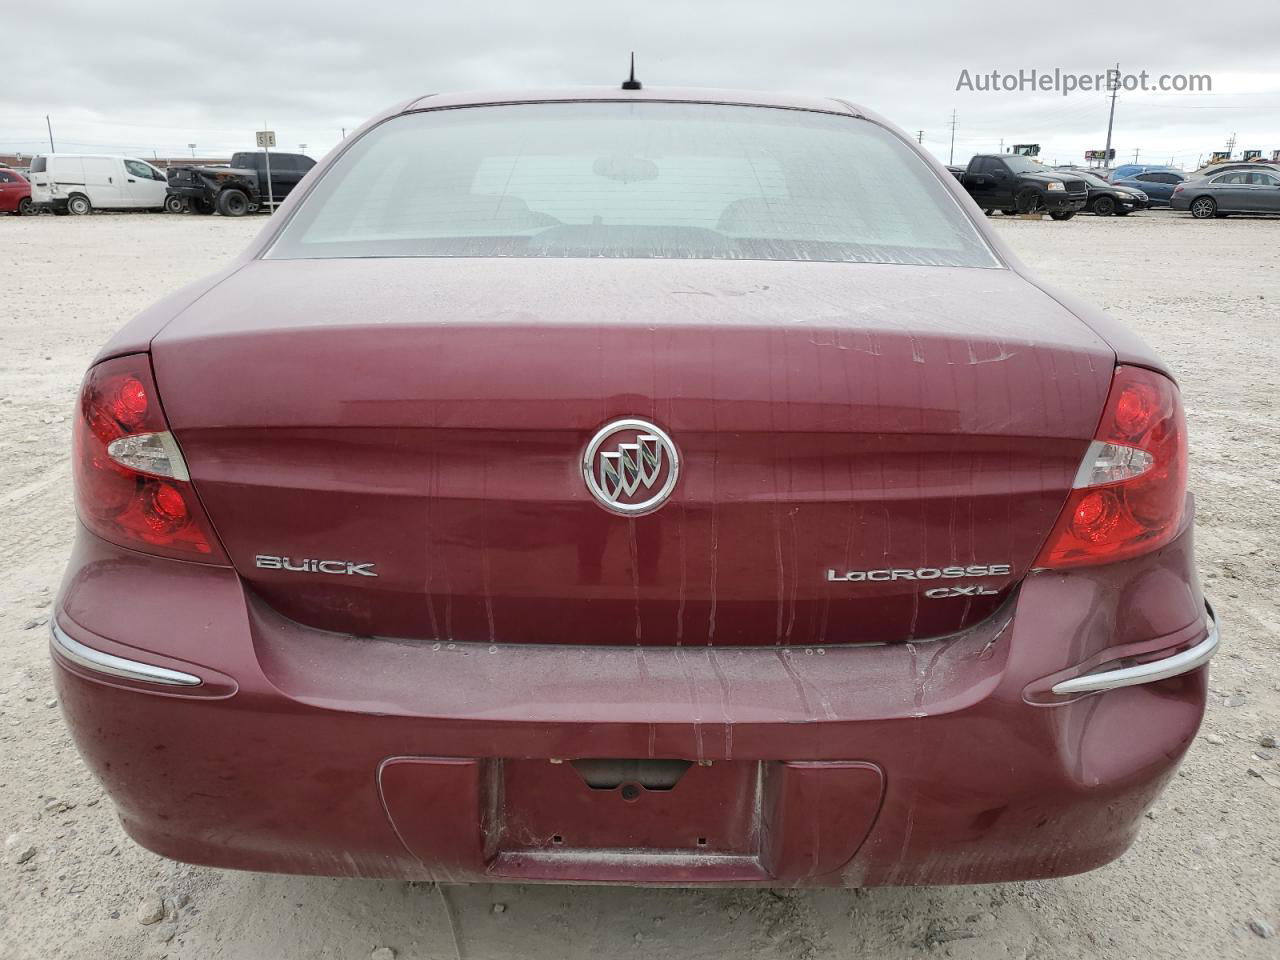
(850, 436)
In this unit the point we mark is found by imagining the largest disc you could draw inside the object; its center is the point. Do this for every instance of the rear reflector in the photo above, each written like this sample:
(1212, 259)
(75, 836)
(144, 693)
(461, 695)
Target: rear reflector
(1131, 488)
(155, 453)
(132, 485)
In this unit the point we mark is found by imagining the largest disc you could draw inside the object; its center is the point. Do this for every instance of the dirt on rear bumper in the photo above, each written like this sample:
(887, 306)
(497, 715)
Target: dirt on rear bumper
(939, 762)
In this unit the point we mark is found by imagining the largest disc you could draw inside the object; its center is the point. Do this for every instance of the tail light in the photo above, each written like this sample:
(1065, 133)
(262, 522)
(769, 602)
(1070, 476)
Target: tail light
(132, 486)
(1178, 188)
(1130, 492)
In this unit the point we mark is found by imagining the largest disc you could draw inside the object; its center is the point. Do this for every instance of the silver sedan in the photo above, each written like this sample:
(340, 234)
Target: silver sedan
(1241, 191)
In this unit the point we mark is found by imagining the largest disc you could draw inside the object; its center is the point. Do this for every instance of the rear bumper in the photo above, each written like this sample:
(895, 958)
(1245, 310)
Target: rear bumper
(194, 191)
(944, 762)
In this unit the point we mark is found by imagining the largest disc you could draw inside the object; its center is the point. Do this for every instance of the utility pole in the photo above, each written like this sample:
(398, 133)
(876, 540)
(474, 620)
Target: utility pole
(1135, 155)
(1113, 84)
(919, 136)
(50, 126)
(1002, 144)
(953, 138)
(344, 133)
(1231, 146)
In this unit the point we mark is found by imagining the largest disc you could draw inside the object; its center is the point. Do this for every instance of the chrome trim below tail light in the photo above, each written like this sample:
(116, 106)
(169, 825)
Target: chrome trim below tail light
(107, 663)
(1163, 669)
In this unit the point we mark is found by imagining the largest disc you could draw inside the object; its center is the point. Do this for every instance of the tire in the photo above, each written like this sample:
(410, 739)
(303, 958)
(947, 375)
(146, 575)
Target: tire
(1028, 201)
(1104, 206)
(233, 203)
(1063, 214)
(1202, 208)
(78, 205)
(1010, 213)
(26, 208)
(174, 204)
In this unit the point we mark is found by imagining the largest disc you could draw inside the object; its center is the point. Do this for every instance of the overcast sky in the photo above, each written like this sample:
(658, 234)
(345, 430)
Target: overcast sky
(138, 78)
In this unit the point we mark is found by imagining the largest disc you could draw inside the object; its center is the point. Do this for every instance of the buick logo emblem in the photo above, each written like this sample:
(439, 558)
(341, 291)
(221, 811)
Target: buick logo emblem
(631, 467)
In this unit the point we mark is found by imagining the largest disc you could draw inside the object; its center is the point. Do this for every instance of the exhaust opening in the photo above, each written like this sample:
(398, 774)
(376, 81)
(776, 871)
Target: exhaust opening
(607, 774)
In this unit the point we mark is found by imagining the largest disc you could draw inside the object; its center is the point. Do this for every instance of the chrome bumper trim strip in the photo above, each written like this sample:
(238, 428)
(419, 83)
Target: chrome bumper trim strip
(1179, 663)
(100, 662)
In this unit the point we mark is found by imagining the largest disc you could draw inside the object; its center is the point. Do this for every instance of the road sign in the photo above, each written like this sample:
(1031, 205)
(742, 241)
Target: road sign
(1100, 154)
(266, 138)
(1026, 149)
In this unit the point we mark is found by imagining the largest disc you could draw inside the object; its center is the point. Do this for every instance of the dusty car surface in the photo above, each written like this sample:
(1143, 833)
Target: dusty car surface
(621, 486)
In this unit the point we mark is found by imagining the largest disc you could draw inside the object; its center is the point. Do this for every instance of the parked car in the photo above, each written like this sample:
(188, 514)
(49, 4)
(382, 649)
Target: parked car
(1156, 184)
(438, 534)
(1231, 166)
(1128, 170)
(15, 193)
(1106, 199)
(1017, 184)
(236, 189)
(81, 183)
(1239, 191)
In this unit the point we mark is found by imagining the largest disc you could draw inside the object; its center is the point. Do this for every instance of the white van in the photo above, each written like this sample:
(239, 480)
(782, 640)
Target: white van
(81, 183)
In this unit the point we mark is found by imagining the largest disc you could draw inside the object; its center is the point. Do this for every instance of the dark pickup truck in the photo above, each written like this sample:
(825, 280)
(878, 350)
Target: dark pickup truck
(1017, 184)
(238, 188)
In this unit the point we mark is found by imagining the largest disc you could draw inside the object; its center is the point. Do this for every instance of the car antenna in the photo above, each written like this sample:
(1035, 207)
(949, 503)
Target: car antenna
(631, 83)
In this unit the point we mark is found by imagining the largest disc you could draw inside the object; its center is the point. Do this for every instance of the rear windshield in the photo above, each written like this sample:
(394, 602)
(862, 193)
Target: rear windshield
(647, 180)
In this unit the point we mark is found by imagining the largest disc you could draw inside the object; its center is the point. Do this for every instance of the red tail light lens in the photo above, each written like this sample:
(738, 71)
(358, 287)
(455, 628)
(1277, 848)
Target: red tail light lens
(1131, 489)
(131, 483)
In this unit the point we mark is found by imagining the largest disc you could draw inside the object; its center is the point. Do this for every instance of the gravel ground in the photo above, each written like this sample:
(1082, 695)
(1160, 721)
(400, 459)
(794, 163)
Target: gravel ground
(1203, 879)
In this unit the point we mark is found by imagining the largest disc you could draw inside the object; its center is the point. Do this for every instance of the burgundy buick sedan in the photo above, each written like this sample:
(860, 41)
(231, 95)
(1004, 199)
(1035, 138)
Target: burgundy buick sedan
(632, 486)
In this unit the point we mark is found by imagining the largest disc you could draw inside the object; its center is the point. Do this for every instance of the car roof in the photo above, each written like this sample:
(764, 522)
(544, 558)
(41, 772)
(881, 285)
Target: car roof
(1273, 171)
(89, 156)
(753, 98)
(1244, 164)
